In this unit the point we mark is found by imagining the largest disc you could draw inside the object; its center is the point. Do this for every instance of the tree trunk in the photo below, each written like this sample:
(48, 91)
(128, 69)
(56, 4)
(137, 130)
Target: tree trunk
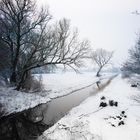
(13, 78)
(21, 83)
(98, 72)
(23, 79)
(16, 59)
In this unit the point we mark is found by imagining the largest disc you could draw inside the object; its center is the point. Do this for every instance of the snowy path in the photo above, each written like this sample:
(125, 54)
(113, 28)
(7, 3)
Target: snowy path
(91, 122)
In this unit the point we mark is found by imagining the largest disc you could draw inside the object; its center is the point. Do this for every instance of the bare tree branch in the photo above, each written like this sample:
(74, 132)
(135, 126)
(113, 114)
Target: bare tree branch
(101, 57)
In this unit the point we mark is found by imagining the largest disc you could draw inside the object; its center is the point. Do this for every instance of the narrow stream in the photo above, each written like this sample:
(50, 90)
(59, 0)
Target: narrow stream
(57, 108)
(29, 124)
(51, 112)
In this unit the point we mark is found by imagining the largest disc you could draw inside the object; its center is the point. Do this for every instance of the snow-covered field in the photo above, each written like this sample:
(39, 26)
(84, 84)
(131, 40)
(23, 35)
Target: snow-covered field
(55, 85)
(65, 83)
(88, 121)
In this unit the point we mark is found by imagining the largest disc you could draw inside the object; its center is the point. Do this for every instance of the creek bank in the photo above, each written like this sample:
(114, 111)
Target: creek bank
(31, 123)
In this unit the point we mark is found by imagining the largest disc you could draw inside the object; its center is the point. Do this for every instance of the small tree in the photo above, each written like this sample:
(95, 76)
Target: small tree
(101, 57)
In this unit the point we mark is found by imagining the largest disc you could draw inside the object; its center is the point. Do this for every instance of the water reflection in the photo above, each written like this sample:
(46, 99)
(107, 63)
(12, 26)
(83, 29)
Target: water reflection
(29, 124)
(98, 84)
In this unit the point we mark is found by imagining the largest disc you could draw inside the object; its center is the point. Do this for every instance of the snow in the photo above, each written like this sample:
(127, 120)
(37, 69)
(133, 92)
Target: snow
(64, 83)
(13, 101)
(56, 85)
(91, 122)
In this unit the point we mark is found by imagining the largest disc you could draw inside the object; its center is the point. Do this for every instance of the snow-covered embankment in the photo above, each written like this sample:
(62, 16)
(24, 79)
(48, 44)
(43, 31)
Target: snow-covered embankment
(91, 122)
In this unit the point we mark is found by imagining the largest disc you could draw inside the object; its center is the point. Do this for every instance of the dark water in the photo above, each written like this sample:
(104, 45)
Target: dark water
(28, 125)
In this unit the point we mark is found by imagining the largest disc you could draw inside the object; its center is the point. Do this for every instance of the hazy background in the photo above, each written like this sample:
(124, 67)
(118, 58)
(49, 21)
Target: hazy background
(108, 24)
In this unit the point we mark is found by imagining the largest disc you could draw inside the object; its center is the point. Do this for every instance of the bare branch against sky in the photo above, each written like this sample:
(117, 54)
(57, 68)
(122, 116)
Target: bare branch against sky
(108, 24)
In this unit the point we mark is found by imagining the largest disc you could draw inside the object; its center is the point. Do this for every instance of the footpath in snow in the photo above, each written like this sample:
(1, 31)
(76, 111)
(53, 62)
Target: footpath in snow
(89, 121)
(55, 85)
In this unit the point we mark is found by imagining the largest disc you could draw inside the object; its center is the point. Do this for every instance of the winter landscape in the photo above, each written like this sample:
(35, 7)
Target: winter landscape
(69, 70)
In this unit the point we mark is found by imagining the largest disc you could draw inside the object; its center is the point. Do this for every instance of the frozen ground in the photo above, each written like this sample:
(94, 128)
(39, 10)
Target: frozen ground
(55, 85)
(65, 83)
(88, 121)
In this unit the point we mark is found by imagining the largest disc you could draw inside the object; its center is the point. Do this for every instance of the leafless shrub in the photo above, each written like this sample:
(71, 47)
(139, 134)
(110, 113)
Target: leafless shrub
(33, 84)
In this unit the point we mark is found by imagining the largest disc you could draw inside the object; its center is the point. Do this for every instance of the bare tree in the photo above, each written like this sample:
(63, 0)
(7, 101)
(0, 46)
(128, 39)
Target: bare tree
(18, 19)
(54, 46)
(101, 57)
(33, 43)
(132, 65)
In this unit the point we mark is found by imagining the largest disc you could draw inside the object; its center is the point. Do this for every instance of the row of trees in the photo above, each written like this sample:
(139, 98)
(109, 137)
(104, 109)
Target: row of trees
(132, 65)
(29, 41)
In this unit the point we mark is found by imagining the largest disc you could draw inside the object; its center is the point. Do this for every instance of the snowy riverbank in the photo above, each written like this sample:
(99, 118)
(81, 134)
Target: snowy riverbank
(91, 122)
(56, 85)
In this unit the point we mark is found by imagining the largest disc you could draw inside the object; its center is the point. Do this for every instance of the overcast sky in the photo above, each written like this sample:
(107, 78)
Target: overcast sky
(108, 24)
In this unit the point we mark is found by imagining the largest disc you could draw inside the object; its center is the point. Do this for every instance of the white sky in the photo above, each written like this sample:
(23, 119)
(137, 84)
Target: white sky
(108, 24)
